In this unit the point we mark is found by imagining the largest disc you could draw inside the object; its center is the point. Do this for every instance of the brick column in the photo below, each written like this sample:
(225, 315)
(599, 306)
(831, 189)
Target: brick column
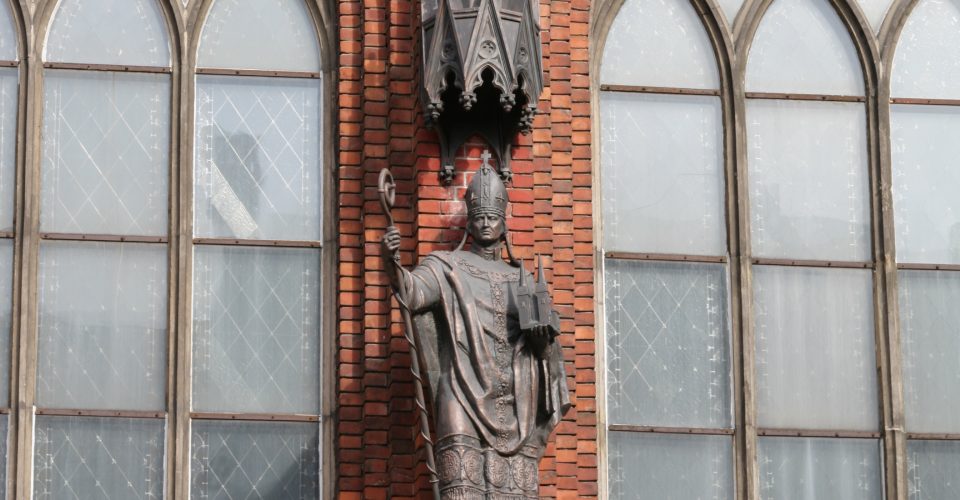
(380, 124)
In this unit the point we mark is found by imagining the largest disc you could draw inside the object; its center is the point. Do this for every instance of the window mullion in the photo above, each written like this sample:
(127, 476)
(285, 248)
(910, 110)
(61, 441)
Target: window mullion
(25, 391)
(889, 352)
(738, 221)
(181, 289)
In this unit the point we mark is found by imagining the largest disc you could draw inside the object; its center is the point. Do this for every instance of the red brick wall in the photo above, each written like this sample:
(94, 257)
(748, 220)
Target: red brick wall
(380, 125)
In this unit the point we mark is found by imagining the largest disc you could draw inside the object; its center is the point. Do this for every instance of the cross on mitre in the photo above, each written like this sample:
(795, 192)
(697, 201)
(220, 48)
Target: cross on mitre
(486, 156)
(485, 186)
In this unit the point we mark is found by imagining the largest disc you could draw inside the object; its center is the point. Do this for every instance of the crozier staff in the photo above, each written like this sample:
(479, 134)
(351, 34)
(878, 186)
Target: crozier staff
(499, 391)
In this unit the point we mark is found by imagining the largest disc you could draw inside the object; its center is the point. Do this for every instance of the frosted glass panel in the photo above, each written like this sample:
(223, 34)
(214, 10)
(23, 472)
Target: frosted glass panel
(730, 9)
(815, 348)
(258, 169)
(929, 326)
(927, 59)
(670, 467)
(809, 194)
(933, 470)
(105, 153)
(103, 326)
(668, 360)
(875, 11)
(108, 32)
(926, 208)
(801, 46)
(234, 36)
(8, 38)
(83, 458)
(9, 86)
(659, 43)
(6, 304)
(230, 460)
(256, 330)
(819, 468)
(662, 174)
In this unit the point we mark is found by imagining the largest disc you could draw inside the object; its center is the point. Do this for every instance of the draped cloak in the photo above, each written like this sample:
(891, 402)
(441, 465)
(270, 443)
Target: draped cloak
(471, 346)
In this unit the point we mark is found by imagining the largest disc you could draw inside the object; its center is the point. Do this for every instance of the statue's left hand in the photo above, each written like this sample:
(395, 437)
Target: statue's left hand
(542, 333)
(539, 337)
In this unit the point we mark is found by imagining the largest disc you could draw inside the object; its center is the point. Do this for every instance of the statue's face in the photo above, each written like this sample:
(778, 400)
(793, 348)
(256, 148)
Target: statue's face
(486, 229)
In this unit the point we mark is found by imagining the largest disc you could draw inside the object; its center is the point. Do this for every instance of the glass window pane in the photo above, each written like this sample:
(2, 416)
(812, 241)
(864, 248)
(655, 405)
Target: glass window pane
(802, 46)
(668, 344)
(927, 59)
(81, 458)
(109, 32)
(815, 348)
(6, 313)
(663, 186)
(233, 36)
(103, 326)
(256, 330)
(670, 467)
(254, 460)
(875, 11)
(933, 469)
(8, 35)
(730, 9)
(819, 468)
(929, 320)
(258, 169)
(9, 102)
(659, 43)
(926, 180)
(105, 153)
(809, 180)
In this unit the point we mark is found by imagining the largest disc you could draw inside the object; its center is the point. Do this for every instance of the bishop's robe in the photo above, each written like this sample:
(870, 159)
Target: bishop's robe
(496, 398)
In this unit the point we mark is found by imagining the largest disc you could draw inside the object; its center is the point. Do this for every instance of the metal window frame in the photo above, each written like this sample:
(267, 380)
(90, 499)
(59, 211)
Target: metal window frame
(731, 44)
(32, 21)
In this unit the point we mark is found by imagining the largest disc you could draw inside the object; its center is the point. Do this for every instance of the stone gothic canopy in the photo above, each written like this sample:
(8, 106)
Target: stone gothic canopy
(482, 71)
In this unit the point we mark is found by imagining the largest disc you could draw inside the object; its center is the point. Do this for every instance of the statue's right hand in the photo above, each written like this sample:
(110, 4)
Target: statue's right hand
(391, 240)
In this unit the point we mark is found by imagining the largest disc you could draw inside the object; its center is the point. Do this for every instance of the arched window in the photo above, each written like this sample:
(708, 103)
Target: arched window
(9, 85)
(813, 312)
(256, 253)
(160, 334)
(669, 405)
(103, 323)
(797, 330)
(924, 121)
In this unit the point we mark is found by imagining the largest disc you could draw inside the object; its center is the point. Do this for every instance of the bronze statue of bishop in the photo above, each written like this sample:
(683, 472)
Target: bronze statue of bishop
(498, 388)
